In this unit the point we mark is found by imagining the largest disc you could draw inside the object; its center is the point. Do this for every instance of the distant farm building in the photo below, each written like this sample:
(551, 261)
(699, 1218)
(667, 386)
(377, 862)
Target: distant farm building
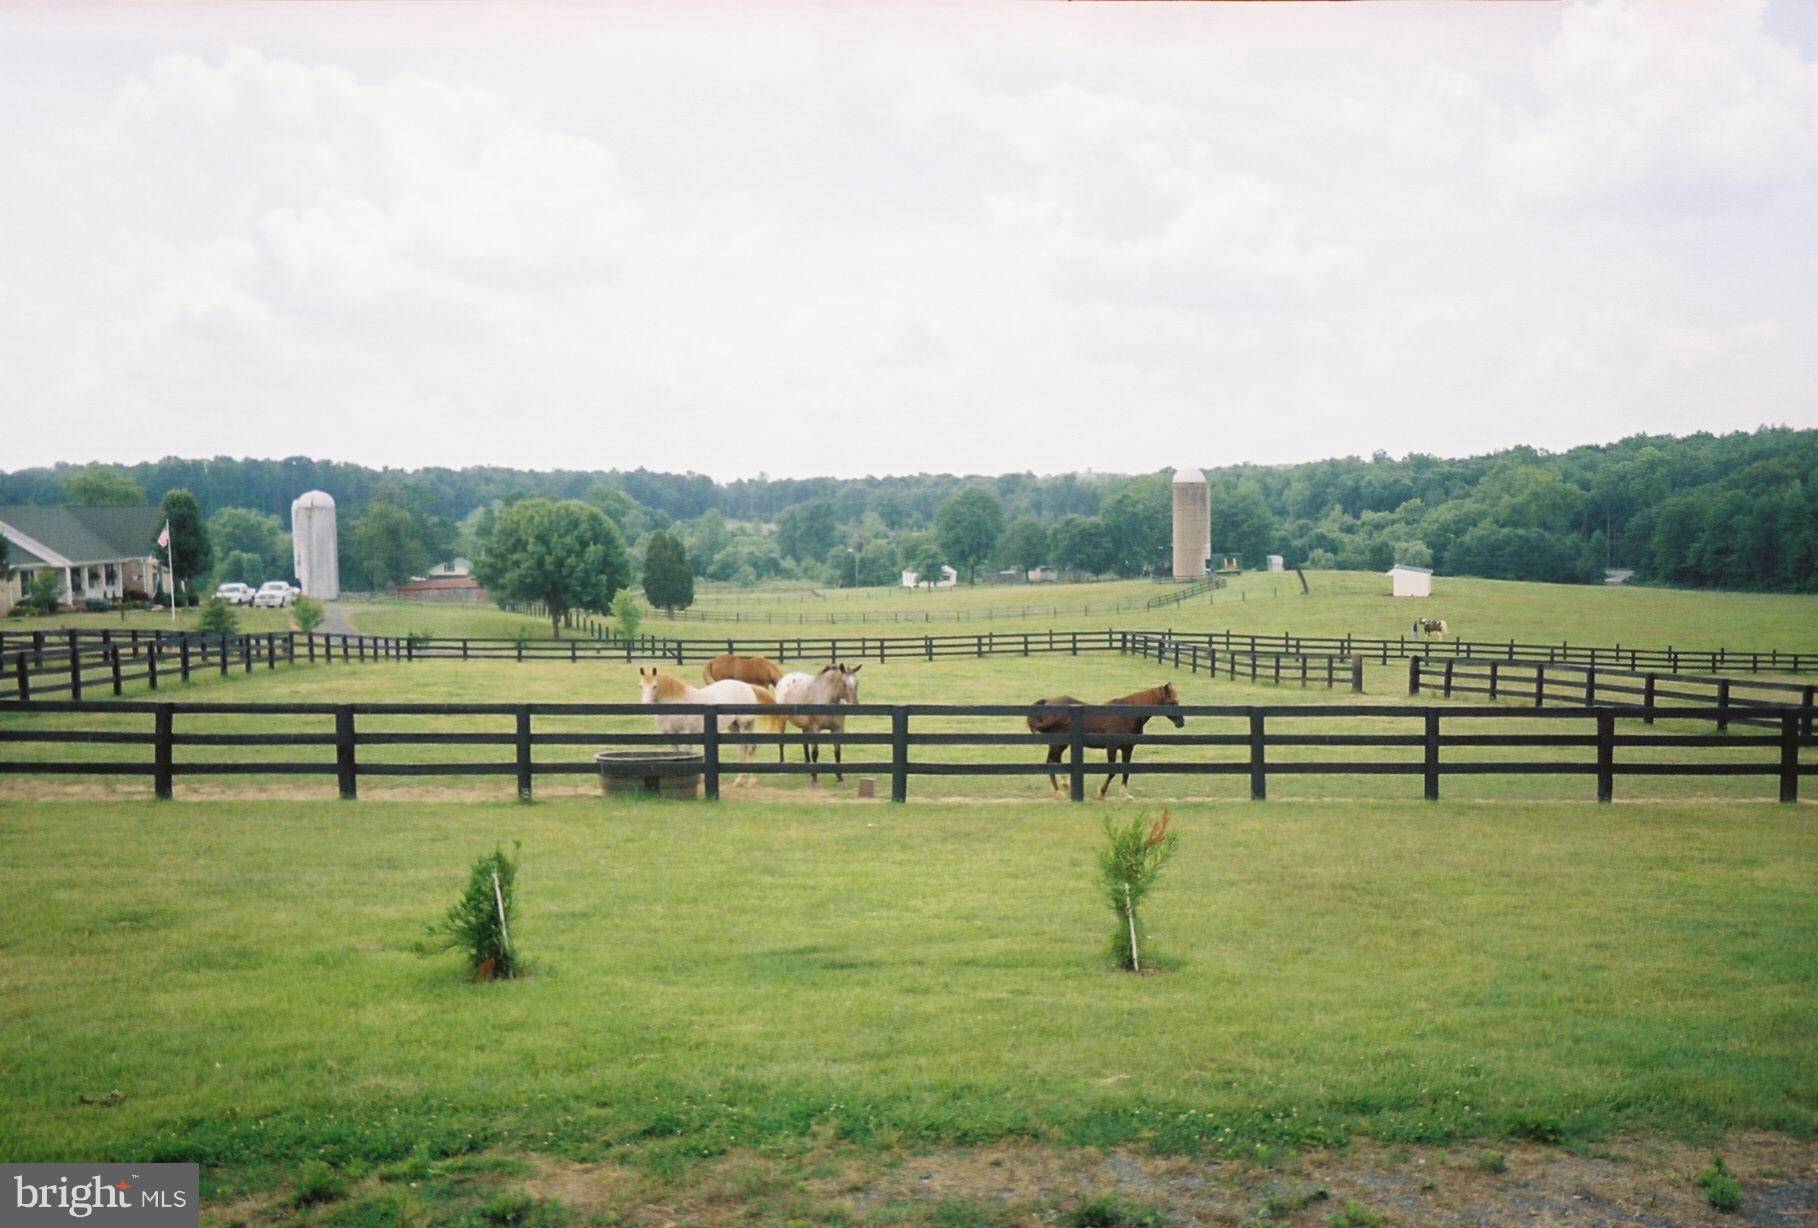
(315, 548)
(1407, 581)
(913, 579)
(102, 552)
(456, 566)
(443, 588)
(1275, 563)
(1618, 575)
(1192, 524)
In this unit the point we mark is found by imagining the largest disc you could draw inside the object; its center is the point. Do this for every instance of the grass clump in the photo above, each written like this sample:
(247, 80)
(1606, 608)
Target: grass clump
(1535, 1127)
(1354, 1215)
(1129, 866)
(1283, 1203)
(318, 1183)
(1110, 1211)
(1492, 1161)
(1721, 1190)
(479, 923)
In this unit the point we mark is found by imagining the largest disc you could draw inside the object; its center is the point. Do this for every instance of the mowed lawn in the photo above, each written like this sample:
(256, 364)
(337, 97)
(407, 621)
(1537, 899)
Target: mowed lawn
(710, 978)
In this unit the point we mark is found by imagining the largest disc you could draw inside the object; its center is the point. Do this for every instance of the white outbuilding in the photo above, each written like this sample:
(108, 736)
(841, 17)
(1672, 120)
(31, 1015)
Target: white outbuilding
(1407, 581)
(1276, 563)
(314, 548)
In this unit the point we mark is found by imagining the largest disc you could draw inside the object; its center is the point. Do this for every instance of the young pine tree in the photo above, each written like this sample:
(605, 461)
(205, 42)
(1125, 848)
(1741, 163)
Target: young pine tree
(1129, 865)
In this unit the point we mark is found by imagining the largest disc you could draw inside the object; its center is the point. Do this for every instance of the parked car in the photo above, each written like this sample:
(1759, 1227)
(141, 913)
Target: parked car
(275, 593)
(235, 594)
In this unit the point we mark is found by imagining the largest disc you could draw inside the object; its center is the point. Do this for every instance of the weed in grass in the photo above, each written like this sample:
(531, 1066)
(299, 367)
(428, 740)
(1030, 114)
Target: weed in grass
(1721, 1190)
(520, 1210)
(318, 1183)
(968, 1213)
(1110, 1211)
(1492, 1161)
(1535, 1127)
(392, 1209)
(1280, 1204)
(1354, 1215)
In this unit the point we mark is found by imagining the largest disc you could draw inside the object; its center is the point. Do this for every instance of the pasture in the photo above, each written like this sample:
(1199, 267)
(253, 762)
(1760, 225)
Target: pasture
(793, 1006)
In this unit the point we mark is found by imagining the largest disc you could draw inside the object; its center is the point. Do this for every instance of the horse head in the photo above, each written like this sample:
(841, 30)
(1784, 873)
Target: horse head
(647, 684)
(849, 682)
(1171, 698)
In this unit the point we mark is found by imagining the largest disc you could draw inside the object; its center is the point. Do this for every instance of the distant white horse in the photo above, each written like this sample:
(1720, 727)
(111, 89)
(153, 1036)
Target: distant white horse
(1430, 627)
(834, 684)
(656, 688)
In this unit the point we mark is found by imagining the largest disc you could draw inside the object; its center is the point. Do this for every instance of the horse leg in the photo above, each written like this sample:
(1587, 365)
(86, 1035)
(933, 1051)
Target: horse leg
(1127, 752)
(839, 776)
(1054, 757)
(814, 777)
(1111, 759)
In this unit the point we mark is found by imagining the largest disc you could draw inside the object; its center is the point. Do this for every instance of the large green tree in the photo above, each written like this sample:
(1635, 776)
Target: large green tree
(1139, 516)
(565, 554)
(100, 486)
(388, 546)
(807, 531)
(243, 530)
(191, 554)
(668, 577)
(968, 527)
(1026, 543)
(1083, 544)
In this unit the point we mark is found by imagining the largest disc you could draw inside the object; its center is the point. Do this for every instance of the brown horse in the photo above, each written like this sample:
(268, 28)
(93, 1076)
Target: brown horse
(758, 671)
(1108, 732)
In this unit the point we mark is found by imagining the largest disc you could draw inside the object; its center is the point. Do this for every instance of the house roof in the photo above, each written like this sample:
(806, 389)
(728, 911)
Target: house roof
(1425, 571)
(85, 534)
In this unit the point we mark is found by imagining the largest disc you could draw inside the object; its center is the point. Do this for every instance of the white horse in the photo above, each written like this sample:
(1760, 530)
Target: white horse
(834, 684)
(656, 688)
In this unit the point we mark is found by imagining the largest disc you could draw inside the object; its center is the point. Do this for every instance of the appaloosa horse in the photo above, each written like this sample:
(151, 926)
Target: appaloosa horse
(834, 684)
(758, 671)
(1109, 732)
(1429, 627)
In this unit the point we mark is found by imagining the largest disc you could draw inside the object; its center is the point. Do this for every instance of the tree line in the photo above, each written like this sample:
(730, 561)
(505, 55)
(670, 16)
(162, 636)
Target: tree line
(1732, 511)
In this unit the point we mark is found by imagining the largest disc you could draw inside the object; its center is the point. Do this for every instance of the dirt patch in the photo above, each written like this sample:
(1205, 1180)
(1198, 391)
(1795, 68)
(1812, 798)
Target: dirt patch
(1644, 1181)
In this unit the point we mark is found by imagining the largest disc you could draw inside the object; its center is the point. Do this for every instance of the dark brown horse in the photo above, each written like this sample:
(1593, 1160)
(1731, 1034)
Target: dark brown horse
(1106, 731)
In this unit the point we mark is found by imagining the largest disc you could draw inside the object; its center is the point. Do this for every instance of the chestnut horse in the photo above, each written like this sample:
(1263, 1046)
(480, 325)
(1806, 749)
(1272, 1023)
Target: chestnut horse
(1109, 732)
(758, 671)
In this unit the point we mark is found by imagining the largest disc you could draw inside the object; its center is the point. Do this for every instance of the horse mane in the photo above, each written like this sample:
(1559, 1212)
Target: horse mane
(1154, 697)
(1051, 722)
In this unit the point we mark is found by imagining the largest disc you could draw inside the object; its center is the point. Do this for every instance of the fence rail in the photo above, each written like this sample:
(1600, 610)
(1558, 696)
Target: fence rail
(1250, 732)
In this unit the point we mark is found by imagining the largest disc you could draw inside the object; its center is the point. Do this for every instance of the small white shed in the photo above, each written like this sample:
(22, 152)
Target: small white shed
(1406, 581)
(1275, 562)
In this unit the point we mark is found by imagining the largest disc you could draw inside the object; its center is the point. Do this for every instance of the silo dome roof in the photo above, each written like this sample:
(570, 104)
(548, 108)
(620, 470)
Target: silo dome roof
(1190, 476)
(313, 498)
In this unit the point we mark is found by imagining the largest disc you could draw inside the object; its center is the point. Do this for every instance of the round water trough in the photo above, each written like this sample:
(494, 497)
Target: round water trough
(669, 773)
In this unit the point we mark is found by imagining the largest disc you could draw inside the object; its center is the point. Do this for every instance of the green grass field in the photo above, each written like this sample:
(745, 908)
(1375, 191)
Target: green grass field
(777, 975)
(251, 619)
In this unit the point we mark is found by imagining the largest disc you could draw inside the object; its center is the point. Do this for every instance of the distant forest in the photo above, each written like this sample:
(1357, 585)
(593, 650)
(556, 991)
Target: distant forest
(1733, 511)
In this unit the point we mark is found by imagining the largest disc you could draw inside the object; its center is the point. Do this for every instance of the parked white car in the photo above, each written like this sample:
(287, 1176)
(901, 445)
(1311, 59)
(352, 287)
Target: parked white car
(275, 593)
(235, 594)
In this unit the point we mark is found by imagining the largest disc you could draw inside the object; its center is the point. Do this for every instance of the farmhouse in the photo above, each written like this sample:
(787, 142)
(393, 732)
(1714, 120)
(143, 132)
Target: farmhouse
(949, 578)
(443, 588)
(101, 552)
(1408, 581)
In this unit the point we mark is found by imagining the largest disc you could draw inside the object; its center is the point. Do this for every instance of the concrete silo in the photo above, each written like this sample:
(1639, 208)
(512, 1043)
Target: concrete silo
(312, 541)
(1192, 524)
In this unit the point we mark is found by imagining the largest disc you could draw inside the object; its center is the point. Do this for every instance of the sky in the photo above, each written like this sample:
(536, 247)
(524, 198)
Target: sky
(805, 239)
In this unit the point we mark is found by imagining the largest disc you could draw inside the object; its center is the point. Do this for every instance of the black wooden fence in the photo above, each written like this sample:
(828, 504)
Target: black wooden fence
(1536, 682)
(1250, 732)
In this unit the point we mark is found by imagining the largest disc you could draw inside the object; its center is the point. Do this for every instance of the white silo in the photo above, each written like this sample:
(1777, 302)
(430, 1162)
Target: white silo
(1192, 524)
(312, 539)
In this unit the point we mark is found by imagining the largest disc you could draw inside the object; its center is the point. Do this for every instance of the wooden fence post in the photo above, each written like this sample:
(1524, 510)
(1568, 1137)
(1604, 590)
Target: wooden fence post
(151, 665)
(1806, 700)
(524, 784)
(224, 656)
(23, 674)
(183, 659)
(1540, 683)
(1448, 689)
(1590, 686)
(161, 748)
(346, 767)
(1606, 755)
(1493, 664)
(710, 753)
(1259, 772)
(113, 659)
(1647, 700)
(1723, 705)
(75, 669)
(1076, 752)
(899, 754)
(1789, 757)
(1413, 675)
(1431, 767)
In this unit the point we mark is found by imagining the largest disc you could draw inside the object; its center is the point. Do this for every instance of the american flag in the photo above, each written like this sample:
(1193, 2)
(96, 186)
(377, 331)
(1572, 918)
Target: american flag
(164, 537)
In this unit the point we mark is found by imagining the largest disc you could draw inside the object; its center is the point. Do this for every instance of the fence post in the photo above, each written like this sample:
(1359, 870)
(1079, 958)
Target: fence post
(1449, 664)
(346, 769)
(161, 747)
(899, 754)
(151, 665)
(309, 641)
(1492, 680)
(524, 785)
(75, 669)
(271, 650)
(1606, 755)
(1647, 700)
(183, 659)
(1431, 769)
(1590, 686)
(1540, 683)
(1413, 675)
(1806, 699)
(224, 656)
(1723, 705)
(1076, 752)
(113, 657)
(23, 674)
(290, 648)
(1789, 757)
(1259, 773)
(710, 753)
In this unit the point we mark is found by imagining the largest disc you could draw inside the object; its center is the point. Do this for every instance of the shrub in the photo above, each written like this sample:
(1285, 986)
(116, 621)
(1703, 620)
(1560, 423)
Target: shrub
(1492, 1161)
(96, 605)
(627, 614)
(1536, 1127)
(309, 614)
(1129, 865)
(1721, 1190)
(45, 593)
(479, 923)
(218, 617)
